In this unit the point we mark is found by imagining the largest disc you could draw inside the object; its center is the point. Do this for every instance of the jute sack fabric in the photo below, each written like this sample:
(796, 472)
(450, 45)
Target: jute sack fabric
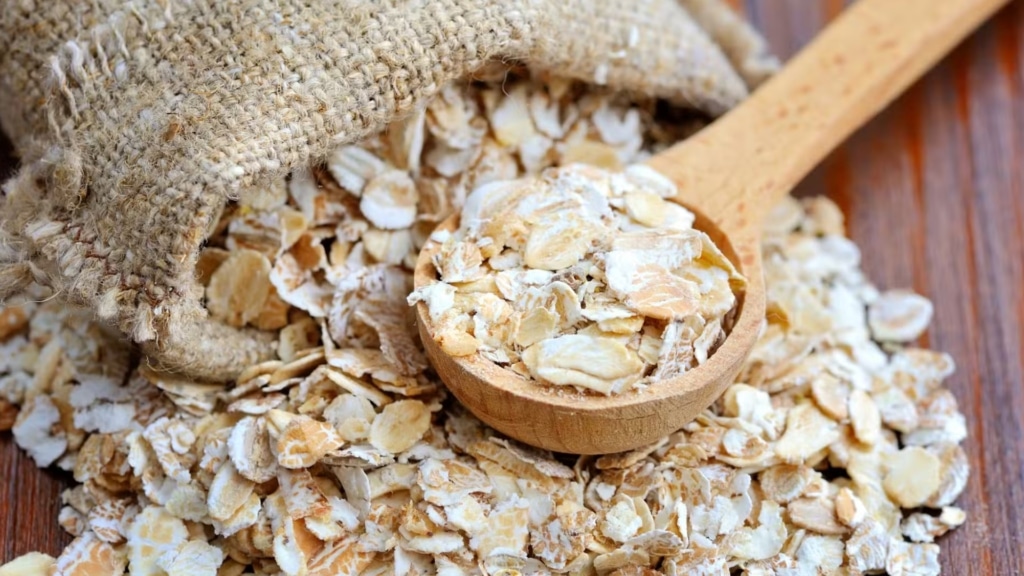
(136, 121)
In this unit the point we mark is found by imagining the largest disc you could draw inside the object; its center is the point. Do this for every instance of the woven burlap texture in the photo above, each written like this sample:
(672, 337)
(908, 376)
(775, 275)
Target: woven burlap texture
(137, 121)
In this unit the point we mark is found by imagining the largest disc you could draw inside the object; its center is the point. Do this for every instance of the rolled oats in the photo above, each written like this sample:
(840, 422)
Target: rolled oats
(300, 441)
(153, 534)
(617, 266)
(31, 564)
(899, 316)
(196, 558)
(816, 515)
(389, 200)
(600, 364)
(228, 492)
(89, 555)
(807, 432)
(913, 476)
(239, 288)
(38, 431)
(864, 417)
(837, 449)
(907, 558)
(921, 527)
(399, 426)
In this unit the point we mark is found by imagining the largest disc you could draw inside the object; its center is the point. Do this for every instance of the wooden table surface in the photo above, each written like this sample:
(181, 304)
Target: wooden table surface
(932, 193)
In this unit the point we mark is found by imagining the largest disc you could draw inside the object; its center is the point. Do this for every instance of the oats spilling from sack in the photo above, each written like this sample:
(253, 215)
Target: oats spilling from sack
(581, 277)
(838, 448)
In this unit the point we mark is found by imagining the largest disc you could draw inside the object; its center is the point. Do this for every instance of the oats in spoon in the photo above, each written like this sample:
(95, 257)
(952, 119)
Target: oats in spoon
(581, 277)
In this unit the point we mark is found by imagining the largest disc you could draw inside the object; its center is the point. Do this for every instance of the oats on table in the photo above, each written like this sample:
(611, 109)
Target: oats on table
(564, 275)
(837, 450)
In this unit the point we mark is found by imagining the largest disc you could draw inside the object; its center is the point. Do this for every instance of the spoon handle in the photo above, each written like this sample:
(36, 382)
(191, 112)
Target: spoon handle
(736, 169)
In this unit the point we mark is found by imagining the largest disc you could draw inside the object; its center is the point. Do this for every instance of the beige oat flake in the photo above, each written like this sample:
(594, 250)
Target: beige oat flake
(31, 564)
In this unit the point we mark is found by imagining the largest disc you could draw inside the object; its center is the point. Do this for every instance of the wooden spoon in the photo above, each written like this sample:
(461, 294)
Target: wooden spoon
(730, 174)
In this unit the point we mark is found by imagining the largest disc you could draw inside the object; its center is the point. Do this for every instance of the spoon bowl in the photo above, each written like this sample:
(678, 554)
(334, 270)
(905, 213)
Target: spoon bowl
(564, 420)
(730, 175)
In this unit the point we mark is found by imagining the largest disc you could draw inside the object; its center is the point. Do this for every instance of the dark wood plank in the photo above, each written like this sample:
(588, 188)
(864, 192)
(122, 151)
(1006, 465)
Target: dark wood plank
(988, 90)
(932, 192)
(29, 504)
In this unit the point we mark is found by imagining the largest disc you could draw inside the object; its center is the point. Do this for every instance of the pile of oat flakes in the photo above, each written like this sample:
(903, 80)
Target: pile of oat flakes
(837, 451)
(580, 277)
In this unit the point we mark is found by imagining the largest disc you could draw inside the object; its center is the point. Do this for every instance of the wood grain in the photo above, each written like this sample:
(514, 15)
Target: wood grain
(932, 192)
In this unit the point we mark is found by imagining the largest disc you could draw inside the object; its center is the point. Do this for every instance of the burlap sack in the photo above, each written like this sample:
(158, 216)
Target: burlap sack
(136, 121)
